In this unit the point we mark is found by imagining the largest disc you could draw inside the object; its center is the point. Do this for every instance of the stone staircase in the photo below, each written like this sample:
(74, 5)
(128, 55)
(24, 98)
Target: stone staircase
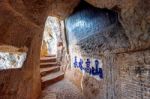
(50, 71)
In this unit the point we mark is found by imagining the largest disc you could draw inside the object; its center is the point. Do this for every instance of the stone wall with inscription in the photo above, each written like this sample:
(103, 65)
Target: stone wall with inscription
(87, 30)
(126, 71)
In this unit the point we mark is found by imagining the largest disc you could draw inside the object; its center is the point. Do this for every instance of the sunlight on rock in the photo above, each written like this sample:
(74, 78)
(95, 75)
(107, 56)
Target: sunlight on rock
(12, 57)
(49, 43)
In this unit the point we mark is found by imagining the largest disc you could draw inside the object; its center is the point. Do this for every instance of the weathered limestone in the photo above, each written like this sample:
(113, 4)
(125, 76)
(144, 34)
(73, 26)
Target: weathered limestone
(62, 8)
(19, 31)
(22, 24)
(125, 54)
(126, 74)
(134, 74)
(134, 17)
(49, 41)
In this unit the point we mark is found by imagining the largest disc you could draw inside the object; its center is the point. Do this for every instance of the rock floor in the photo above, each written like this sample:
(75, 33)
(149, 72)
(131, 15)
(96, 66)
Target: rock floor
(63, 89)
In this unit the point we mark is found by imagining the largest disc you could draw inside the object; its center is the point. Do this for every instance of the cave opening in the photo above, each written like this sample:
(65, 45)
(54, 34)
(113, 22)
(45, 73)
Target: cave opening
(49, 41)
(90, 49)
(12, 57)
(80, 36)
(85, 21)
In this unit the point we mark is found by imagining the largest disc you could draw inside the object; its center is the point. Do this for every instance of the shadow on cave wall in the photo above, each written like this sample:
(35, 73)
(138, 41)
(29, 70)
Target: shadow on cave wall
(95, 30)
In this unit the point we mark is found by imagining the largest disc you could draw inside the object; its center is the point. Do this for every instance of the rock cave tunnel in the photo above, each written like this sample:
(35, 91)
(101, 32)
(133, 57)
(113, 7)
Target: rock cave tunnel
(90, 49)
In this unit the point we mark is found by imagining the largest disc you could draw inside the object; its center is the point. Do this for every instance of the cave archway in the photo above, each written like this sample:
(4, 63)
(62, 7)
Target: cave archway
(122, 54)
(49, 41)
(93, 34)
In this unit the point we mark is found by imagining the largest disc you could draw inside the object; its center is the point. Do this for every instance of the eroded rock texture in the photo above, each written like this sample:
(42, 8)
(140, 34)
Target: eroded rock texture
(121, 49)
(134, 16)
(49, 41)
(10, 59)
(62, 8)
(124, 49)
(134, 77)
(21, 25)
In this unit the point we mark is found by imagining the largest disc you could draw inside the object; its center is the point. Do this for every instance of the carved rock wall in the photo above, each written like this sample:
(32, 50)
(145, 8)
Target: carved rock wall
(21, 25)
(125, 56)
(18, 31)
(49, 42)
(128, 75)
(134, 17)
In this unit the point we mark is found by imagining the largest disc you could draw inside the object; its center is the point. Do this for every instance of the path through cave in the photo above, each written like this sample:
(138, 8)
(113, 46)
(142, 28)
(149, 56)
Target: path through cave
(79, 37)
(90, 49)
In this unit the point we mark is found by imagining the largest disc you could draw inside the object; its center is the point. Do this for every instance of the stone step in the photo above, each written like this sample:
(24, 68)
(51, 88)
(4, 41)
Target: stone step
(48, 64)
(51, 78)
(47, 59)
(53, 55)
(48, 70)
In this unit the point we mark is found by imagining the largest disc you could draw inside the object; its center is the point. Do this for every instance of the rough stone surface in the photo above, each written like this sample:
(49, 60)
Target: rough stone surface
(9, 60)
(134, 17)
(12, 57)
(54, 41)
(49, 41)
(63, 90)
(87, 20)
(22, 24)
(125, 64)
(63, 8)
(123, 53)
(134, 74)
